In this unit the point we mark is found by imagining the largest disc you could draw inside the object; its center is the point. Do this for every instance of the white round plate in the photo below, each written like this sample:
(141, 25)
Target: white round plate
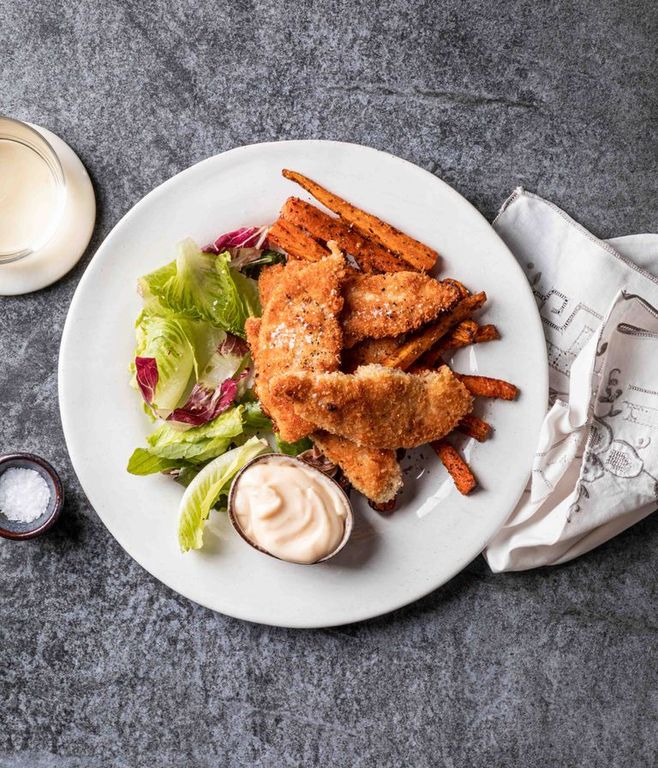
(391, 560)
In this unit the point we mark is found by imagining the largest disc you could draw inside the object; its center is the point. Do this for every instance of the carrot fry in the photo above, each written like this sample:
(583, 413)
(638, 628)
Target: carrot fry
(295, 242)
(419, 343)
(482, 386)
(369, 255)
(418, 255)
(467, 332)
(475, 427)
(486, 333)
(457, 468)
(461, 335)
(369, 352)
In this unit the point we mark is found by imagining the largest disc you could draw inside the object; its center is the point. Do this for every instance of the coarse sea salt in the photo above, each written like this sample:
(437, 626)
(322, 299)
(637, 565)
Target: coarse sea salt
(24, 494)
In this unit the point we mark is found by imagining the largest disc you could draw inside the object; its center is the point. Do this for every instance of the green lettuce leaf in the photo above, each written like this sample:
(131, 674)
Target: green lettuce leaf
(187, 474)
(206, 340)
(206, 488)
(151, 287)
(143, 462)
(201, 286)
(292, 449)
(164, 349)
(248, 290)
(197, 444)
(254, 419)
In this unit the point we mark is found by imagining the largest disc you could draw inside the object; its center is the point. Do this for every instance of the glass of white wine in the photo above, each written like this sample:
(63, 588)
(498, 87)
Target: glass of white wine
(32, 190)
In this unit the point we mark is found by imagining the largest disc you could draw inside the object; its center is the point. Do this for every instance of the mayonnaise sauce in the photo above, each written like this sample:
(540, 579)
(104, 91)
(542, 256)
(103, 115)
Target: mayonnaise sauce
(290, 510)
(29, 198)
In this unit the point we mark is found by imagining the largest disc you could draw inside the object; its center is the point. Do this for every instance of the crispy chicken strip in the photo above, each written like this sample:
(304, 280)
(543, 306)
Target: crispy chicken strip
(252, 329)
(267, 280)
(378, 407)
(425, 339)
(372, 471)
(377, 306)
(299, 330)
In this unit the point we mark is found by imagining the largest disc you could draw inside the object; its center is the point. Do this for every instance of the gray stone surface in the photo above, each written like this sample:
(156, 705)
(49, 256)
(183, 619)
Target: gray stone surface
(100, 665)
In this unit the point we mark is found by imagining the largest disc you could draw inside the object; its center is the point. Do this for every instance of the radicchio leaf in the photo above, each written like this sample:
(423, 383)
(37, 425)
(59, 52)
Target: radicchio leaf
(146, 373)
(245, 237)
(205, 404)
(233, 345)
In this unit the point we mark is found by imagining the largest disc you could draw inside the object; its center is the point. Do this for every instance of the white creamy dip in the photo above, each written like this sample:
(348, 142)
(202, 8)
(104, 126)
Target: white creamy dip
(290, 510)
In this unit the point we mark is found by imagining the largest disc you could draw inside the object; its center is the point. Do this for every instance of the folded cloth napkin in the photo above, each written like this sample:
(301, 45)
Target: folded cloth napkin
(595, 472)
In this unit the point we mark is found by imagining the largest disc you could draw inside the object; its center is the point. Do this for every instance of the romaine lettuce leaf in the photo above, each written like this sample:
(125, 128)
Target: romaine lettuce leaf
(217, 387)
(164, 361)
(198, 443)
(206, 488)
(143, 462)
(254, 418)
(201, 286)
(206, 340)
(237, 297)
(292, 449)
(172, 446)
(150, 288)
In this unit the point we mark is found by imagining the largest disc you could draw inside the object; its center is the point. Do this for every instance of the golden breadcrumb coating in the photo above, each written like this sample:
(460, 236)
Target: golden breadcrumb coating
(374, 472)
(299, 330)
(379, 306)
(377, 407)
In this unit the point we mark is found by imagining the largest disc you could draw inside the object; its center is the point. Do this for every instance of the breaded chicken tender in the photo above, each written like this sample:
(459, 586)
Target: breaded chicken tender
(299, 330)
(377, 306)
(267, 280)
(377, 407)
(252, 329)
(374, 472)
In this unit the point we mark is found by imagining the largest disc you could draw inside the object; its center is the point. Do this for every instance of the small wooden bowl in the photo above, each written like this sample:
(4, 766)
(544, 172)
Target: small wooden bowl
(14, 529)
(291, 460)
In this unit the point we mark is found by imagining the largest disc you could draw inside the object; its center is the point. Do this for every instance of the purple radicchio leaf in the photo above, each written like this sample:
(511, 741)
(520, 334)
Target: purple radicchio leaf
(146, 373)
(233, 345)
(204, 404)
(245, 237)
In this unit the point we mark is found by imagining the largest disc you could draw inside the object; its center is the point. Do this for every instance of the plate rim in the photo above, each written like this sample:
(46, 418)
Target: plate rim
(94, 264)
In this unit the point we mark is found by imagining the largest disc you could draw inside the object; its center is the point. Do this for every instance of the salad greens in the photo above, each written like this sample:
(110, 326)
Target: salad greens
(292, 449)
(164, 361)
(201, 286)
(211, 484)
(193, 370)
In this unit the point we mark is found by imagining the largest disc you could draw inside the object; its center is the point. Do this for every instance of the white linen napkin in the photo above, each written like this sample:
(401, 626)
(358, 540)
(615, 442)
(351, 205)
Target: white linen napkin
(595, 472)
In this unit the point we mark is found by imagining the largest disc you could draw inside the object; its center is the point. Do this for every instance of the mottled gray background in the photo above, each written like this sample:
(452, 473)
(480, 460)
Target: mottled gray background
(100, 665)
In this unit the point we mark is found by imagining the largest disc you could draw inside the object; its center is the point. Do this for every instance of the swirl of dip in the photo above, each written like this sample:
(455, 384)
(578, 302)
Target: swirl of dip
(289, 509)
